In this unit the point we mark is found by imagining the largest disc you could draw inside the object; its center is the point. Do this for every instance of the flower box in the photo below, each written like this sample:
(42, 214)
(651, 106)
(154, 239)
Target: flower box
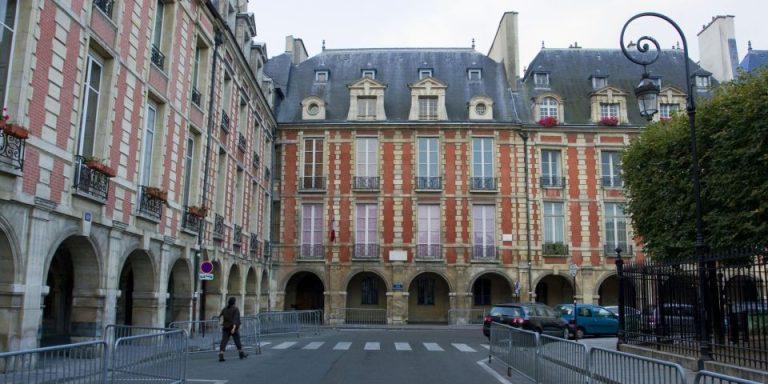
(157, 193)
(98, 166)
(548, 121)
(197, 211)
(609, 121)
(16, 131)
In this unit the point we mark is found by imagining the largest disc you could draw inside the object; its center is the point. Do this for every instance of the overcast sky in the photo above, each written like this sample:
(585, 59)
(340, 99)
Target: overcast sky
(453, 23)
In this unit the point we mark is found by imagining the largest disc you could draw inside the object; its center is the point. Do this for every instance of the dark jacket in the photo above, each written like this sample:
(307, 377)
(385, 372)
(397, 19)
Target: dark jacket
(230, 316)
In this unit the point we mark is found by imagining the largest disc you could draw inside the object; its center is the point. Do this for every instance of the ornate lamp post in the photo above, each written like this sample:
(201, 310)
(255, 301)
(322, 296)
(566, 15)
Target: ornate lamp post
(647, 97)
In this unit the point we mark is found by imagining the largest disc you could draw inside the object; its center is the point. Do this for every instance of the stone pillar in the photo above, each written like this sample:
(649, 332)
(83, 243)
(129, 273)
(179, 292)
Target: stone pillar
(11, 305)
(87, 314)
(279, 303)
(38, 246)
(147, 309)
(251, 304)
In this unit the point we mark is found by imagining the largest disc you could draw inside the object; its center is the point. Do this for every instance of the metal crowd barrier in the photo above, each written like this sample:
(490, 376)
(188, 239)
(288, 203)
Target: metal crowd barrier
(706, 377)
(112, 332)
(289, 322)
(155, 358)
(467, 316)
(203, 335)
(516, 348)
(359, 317)
(618, 367)
(561, 361)
(82, 363)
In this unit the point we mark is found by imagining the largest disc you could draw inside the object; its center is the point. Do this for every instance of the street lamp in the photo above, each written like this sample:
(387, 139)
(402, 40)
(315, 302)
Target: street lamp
(647, 97)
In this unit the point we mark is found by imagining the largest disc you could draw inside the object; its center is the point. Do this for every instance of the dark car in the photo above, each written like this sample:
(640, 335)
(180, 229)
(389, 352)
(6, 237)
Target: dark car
(529, 316)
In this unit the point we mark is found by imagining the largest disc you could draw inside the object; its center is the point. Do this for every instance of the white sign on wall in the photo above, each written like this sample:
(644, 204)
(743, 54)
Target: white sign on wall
(398, 256)
(506, 237)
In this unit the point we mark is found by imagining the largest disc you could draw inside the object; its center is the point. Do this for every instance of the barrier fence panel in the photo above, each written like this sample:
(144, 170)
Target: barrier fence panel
(360, 317)
(310, 321)
(112, 332)
(203, 335)
(81, 363)
(612, 367)
(288, 322)
(516, 348)
(155, 358)
(249, 333)
(467, 316)
(706, 377)
(562, 361)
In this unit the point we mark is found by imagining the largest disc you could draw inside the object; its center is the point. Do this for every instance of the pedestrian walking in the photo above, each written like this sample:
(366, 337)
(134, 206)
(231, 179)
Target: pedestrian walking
(230, 327)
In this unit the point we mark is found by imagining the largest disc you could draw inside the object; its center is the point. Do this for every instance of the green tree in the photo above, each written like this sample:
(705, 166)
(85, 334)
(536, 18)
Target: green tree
(732, 140)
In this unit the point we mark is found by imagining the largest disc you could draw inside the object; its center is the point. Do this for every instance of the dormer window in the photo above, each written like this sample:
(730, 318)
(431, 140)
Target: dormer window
(474, 74)
(321, 76)
(366, 107)
(548, 108)
(599, 82)
(424, 73)
(427, 107)
(702, 81)
(369, 73)
(313, 108)
(541, 80)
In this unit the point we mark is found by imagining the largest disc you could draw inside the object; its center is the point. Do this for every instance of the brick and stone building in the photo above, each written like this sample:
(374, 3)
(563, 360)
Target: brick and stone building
(401, 175)
(149, 123)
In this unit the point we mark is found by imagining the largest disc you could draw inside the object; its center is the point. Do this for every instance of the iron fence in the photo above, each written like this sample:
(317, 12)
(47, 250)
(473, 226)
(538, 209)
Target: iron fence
(196, 96)
(611, 367)
(288, 322)
(150, 205)
(12, 150)
(203, 335)
(112, 332)
(561, 361)
(552, 181)
(484, 252)
(515, 348)
(366, 183)
(706, 377)
(359, 317)
(105, 6)
(429, 252)
(431, 183)
(155, 357)
(312, 184)
(366, 251)
(82, 363)
(482, 184)
(311, 252)
(224, 122)
(242, 142)
(218, 227)
(89, 181)
(158, 58)
(191, 221)
(554, 249)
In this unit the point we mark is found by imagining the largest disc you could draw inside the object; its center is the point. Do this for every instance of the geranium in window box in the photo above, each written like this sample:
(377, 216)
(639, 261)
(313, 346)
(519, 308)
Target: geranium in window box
(609, 121)
(548, 121)
(99, 166)
(10, 129)
(200, 212)
(157, 193)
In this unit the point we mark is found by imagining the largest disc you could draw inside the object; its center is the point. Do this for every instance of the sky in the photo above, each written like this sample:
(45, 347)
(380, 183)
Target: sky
(454, 23)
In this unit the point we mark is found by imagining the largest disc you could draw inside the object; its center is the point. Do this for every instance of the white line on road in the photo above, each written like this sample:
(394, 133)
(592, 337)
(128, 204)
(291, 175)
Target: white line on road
(314, 345)
(463, 347)
(492, 372)
(402, 346)
(342, 346)
(432, 347)
(284, 345)
(486, 346)
(264, 343)
(372, 346)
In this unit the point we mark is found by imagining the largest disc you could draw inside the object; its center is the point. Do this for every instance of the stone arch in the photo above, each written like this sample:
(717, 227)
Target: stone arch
(490, 287)
(250, 307)
(73, 306)
(178, 305)
(377, 272)
(366, 299)
(137, 303)
(9, 314)
(212, 293)
(554, 289)
(304, 290)
(431, 270)
(428, 298)
(234, 281)
(9, 254)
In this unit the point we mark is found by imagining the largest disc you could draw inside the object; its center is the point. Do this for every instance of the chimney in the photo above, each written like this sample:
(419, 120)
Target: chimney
(295, 47)
(717, 48)
(505, 48)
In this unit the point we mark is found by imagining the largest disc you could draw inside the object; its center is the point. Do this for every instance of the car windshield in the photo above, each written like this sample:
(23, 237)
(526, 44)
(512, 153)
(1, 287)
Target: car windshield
(565, 310)
(506, 311)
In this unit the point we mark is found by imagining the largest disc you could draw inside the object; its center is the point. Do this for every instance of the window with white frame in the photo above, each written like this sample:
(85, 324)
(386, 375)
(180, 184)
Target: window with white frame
(321, 76)
(475, 74)
(366, 157)
(366, 107)
(311, 228)
(221, 176)
(148, 145)
(428, 236)
(483, 231)
(551, 173)
(541, 80)
(554, 223)
(366, 226)
(424, 73)
(548, 107)
(189, 163)
(91, 99)
(313, 163)
(157, 34)
(239, 203)
(427, 107)
(611, 167)
(428, 157)
(482, 157)
(608, 110)
(667, 110)
(7, 32)
(615, 227)
(702, 81)
(599, 82)
(369, 73)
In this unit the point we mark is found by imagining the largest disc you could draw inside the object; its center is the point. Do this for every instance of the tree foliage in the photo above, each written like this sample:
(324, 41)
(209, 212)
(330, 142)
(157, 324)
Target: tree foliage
(732, 144)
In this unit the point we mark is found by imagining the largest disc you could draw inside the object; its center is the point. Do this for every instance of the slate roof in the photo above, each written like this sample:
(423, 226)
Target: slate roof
(278, 68)
(396, 68)
(570, 70)
(754, 59)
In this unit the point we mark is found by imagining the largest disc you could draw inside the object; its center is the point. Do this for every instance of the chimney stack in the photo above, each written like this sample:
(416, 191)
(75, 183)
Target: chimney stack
(505, 48)
(295, 47)
(717, 48)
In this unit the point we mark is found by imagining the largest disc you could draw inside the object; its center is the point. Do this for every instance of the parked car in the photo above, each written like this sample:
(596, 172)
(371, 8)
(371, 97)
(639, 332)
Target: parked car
(535, 317)
(589, 320)
(673, 319)
(632, 317)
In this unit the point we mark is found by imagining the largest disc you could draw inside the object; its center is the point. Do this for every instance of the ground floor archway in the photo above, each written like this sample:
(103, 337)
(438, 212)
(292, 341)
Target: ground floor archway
(212, 293)
(264, 303)
(366, 299)
(304, 290)
(235, 285)
(8, 312)
(137, 304)
(251, 293)
(553, 290)
(428, 299)
(179, 301)
(491, 288)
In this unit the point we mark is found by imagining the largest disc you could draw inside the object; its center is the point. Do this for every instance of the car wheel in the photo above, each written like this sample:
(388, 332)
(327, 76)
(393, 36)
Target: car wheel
(566, 334)
(580, 333)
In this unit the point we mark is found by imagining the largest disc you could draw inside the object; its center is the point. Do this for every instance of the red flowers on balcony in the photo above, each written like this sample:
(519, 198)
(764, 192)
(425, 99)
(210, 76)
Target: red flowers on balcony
(609, 121)
(548, 121)
(157, 194)
(200, 212)
(99, 166)
(13, 130)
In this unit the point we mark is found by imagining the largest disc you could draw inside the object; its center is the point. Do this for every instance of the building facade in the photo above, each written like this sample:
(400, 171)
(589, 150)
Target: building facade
(148, 124)
(402, 182)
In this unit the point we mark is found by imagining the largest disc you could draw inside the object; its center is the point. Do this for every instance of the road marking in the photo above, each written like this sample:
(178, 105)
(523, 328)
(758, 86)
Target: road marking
(486, 346)
(206, 381)
(342, 346)
(372, 346)
(284, 345)
(463, 347)
(264, 343)
(492, 372)
(314, 345)
(403, 347)
(432, 347)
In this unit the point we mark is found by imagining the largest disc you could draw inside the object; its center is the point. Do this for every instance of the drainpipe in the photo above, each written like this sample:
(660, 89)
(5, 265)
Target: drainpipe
(524, 135)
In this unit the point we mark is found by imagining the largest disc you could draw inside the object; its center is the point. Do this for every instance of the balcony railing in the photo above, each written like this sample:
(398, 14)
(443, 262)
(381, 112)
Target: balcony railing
(552, 181)
(554, 249)
(312, 184)
(482, 184)
(224, 122)
(237, 236)
(189, 221)
(429, 252)
(218, 227)
(612, 182)
(158, 59)
(12, 150)
(311, 252)
(366, 183)
(484, 252)
(429, 183)
(105, 6)
(610, 249)
(242, 144)
(149, 205)
(256, 162)
(90, 181)
(267, 250)
(196, 96)
(255, 246)
(366, 251)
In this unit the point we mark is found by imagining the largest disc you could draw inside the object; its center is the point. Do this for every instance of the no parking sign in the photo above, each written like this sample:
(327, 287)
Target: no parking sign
(206, 270)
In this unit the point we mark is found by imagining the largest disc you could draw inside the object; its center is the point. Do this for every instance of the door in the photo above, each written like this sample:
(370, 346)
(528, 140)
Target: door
(605, 322)
(584, 320)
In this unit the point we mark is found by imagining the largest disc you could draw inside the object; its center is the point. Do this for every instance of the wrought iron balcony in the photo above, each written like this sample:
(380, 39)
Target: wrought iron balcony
(105, 6)
(311, 252)
(429, 251)
(484, 184)
(429, 183)
(189, 221)
(255, 246)
(149, 205)
(224, 122)
(12, 150)
(612, 182)
(218, 227)
(365, 183)
(89, 181)
(237, 236)
(484, 252)
(552, 181)
(554, 249)
(242, 144)
(311, 183)
(158, 59)
(610, 249)
(366, 251)
(196, 96)
(267, 250)
(256, 162)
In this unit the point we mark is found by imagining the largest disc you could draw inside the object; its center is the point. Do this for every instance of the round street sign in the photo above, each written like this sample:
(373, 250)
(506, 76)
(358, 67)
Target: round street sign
(573, 269)
(206, 267)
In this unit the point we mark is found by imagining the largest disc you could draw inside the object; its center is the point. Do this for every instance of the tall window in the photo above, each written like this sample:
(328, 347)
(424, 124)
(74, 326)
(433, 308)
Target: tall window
(366, 107)
(366, 230)
(425, 290)
(311, 225)
(428, 236)
(554, 222)
(427, 107)
(313, 163)
(242, 116)
(609, 110)
(483, 229)
(148, 145)
(551, 174)
(227, 97)
(541, 80)
(481, 291)
(668, 110)
(239, 214)
(196, 68)
(482, 157)
(189, 162)
(221, 176)
(94, 69)
(367, 163)
(157, 35)
(7, 30)
(548, 107)
(611, 166)
(615, 227)
(428, 155)
(370, 291)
